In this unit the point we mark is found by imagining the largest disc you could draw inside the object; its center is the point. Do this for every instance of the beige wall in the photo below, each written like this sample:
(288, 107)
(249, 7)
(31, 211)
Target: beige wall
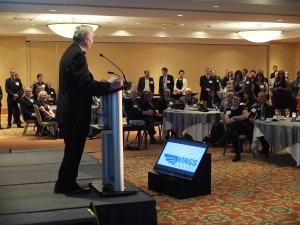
(30, 58)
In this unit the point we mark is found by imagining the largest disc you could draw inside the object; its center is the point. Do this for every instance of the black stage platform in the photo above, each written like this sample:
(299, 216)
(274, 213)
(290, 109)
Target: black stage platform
(26, 194)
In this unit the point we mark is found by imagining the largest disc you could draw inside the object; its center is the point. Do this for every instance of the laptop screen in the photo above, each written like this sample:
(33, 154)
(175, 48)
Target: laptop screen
(181, 158)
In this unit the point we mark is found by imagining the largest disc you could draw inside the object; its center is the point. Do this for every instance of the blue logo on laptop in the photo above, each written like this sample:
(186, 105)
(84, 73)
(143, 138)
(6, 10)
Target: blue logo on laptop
(174, 159)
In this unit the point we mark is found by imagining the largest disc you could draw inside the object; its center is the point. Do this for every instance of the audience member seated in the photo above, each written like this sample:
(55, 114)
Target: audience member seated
(38, 89)
(165, 101)
(134, 111)
(236, 118)
(226, 101)
(147, 104)
(248, 101)
(180, 83)
(26, 102)
(46, 112)
(259, 109)
(52, 95)
(188, 99)
(40, 82)
(298, 101)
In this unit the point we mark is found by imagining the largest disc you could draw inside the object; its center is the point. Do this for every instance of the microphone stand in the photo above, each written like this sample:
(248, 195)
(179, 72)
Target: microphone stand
(126, 83)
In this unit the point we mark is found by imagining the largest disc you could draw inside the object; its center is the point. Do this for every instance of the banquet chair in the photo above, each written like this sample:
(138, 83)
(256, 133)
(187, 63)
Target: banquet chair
(44, 125)
(241, 137)
(27, 122)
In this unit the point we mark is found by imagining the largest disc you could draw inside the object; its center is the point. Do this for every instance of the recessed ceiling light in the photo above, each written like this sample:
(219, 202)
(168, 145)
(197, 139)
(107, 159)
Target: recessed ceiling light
(216, 6)
(164, 28)
(279, 20)
(123, 27)
(52, 10)
(137, 23)
(182, 24)
(179, 15)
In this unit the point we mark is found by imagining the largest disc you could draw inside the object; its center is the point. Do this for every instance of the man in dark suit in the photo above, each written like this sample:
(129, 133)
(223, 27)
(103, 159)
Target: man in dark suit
(261, 107)
(166, 81)
(134, 111)
(146, 83)
(76, 88)
(165, 101)
(14, 89)
(206, 84)
(26, 103)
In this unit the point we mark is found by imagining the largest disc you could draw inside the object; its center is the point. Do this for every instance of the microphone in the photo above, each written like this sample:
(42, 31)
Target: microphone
(110, 72)
(125, 81)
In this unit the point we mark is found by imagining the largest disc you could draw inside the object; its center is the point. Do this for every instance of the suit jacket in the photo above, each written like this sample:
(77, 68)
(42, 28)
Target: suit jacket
(206, 83)
(191, 101)
(13, 88)
(43, 84)
(26, 107)
(141, 84)
(163, 104)
(76, 88)
(133, 110)
(256, 111)
(170, 84)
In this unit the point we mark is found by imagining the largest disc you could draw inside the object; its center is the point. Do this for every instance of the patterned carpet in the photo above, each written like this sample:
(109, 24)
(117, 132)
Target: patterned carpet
(253, 191)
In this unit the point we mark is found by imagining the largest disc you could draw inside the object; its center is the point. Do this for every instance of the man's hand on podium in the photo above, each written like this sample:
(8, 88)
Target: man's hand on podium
(117, 83)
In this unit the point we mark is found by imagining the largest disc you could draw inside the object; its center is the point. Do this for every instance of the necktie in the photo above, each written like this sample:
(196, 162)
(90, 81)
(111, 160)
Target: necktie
(165, 82)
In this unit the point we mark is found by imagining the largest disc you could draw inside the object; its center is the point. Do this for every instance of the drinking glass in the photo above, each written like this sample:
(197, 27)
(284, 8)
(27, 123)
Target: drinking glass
(263, 115)
(287, 113)
(277, 113)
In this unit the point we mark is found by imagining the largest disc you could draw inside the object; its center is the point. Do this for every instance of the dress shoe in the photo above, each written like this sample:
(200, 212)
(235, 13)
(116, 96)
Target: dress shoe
(74, 190)
(20, 126)
(236, 158)
(8, 127)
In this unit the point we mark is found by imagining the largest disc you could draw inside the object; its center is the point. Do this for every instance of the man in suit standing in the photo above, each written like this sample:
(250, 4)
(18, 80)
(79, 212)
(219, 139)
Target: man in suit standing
(26, 103)
(146, 83)
(76, 88)
(166, 81)
(261, 107)
(14, 89)
(206, 84)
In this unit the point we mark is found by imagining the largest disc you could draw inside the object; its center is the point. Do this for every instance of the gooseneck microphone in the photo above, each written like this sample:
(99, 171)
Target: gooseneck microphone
(110, 72)
(125, 81)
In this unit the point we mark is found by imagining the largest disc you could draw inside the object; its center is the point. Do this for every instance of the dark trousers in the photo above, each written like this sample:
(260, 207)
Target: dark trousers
(235, 129)
(13, 110)
(74, 136)
(264, 143)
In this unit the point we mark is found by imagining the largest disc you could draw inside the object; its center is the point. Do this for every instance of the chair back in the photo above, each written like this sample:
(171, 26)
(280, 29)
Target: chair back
(38, 114)
(20, 109)
(223, 120)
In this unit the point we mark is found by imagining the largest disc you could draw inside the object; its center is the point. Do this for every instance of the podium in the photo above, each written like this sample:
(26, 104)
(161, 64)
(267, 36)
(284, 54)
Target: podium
(112, 148)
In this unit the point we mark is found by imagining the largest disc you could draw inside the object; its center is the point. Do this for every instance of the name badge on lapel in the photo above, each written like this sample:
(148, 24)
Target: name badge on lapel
(135, 106)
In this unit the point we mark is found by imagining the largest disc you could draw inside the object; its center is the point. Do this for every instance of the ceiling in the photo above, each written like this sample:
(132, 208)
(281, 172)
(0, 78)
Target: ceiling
(201, 21)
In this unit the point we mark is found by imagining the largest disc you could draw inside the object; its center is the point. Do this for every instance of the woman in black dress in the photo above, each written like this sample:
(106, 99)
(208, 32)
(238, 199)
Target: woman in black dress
(282, 97)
